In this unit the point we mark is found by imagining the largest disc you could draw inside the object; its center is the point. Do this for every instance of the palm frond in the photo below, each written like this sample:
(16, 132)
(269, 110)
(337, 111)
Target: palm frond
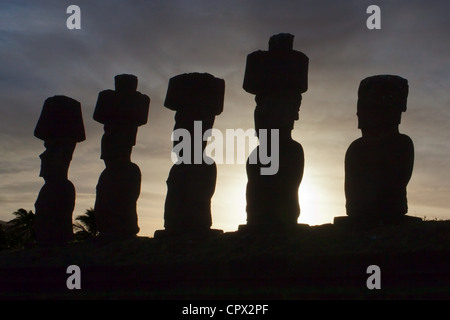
(85, 225)
(21, 228)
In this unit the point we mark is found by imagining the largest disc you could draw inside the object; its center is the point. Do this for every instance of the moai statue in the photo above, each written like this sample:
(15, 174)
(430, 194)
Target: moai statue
(60, 126)
(121, 111)
(378, 166)
(277, 77)
(197, 99)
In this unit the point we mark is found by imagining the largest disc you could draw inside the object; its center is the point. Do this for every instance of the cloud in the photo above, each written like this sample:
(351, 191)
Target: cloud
(156, 40)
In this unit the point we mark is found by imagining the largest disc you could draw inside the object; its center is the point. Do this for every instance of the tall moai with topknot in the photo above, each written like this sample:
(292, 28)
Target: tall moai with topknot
(379, 165)
(121, 111)
(277, 78)
(61, 127)
(197, 99)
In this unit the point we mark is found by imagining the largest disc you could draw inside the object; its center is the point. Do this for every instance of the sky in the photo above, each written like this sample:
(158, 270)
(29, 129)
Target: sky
(156, 40)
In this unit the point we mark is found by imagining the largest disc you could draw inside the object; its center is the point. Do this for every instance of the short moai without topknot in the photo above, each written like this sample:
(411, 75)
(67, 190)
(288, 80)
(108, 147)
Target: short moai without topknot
(61, 126)
(379, 165)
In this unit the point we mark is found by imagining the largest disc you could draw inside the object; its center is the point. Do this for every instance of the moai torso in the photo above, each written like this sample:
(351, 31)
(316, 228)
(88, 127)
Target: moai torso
(277, 77)
(121, 111)
(378, 166)
(272, 199)
(197, 98)
(61, 127)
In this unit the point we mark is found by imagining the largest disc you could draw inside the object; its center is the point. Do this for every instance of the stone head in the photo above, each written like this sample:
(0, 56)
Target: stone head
(381, 101)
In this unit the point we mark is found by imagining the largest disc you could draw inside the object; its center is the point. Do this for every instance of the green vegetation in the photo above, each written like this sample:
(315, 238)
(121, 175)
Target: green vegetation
(18, 233)
(85, 227)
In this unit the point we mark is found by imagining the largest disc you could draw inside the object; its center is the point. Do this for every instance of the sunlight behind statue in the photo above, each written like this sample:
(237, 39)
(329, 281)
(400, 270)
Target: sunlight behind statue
(277, 77)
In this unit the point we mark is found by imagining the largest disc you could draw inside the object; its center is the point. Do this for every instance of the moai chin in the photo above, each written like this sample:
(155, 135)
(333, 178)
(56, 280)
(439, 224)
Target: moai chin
(196, 98)
(61, 126)
(378, 166)
(277, 78)
(121, 111)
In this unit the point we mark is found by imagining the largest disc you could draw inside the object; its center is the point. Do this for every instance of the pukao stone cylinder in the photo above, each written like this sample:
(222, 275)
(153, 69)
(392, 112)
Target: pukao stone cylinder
(279, 68)
(125, 83)
(124, 104)
(61, 118)
(196, 93)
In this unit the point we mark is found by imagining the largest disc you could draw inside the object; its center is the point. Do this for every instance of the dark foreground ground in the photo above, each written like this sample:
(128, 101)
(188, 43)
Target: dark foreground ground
(317, 262)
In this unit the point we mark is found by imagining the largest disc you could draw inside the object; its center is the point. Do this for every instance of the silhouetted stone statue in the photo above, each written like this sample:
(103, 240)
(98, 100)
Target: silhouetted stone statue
(277, 77)
(121, 111)
(61, 126)
(197, 99)
(378, 166)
